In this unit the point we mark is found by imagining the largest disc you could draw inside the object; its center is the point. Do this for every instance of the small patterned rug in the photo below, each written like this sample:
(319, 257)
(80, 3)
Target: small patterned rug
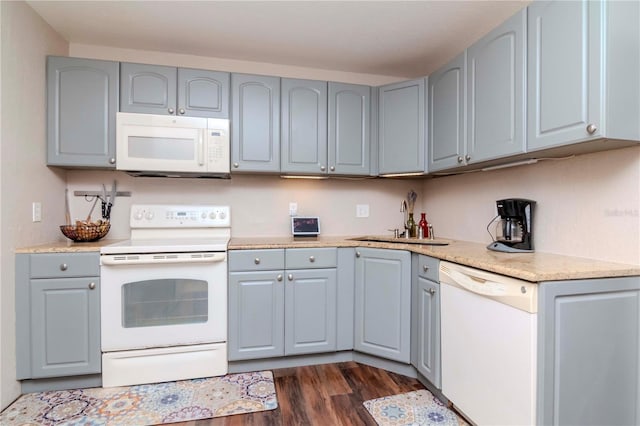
(146, 404)
(417, 408)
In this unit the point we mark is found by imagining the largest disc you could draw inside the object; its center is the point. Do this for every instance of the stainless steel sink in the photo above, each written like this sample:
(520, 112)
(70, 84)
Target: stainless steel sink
(402, 240)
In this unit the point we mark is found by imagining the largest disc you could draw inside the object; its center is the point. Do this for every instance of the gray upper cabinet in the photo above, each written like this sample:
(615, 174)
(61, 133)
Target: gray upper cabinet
(496, 92)
(203, 93)
(255, 121)
(383, 303)
(304, 126)
(158, 89)
(446, 121)
(349, 129)
(82, 101)
(583, 67)
(57, 315)
(401, 121)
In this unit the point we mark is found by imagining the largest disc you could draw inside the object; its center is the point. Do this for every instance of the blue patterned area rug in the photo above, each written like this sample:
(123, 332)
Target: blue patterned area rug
(417, 408)
(146, 404)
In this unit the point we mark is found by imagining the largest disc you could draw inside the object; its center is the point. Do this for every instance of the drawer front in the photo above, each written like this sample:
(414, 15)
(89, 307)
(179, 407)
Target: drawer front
(256, 260)
(60, 265)
(428, 267)
(311, 258)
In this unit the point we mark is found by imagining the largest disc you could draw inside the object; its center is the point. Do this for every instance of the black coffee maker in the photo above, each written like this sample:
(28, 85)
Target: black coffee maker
(514, 226)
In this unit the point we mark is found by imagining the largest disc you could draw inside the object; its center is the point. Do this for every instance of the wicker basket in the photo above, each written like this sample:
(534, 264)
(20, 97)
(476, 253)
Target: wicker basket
(85, 232)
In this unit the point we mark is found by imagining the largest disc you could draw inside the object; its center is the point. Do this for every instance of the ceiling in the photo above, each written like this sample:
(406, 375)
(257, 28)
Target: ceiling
(393, 38)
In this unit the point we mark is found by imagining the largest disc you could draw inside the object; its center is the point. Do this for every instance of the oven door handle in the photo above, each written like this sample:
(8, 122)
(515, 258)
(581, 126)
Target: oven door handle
(147, 259)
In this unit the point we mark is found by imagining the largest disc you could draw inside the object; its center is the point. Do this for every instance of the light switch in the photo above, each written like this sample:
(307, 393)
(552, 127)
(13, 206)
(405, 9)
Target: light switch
(36, 210)
(362, 210)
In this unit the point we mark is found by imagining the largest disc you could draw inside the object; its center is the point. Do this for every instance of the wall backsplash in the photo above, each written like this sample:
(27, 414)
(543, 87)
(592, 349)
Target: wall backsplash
(259, 204)
(587, 206)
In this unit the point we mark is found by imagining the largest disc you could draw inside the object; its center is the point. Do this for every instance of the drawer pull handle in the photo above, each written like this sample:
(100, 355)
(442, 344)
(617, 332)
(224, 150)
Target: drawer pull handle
(92, 286)
(432, 291)
(290, 277)
(357, 254)
(64, 267)
(312, 259)
(425, 268)
(256, 260)
(279, 277)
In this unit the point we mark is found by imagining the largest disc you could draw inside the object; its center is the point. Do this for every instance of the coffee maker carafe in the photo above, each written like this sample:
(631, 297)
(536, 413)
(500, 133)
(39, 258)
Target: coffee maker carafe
(514, 226)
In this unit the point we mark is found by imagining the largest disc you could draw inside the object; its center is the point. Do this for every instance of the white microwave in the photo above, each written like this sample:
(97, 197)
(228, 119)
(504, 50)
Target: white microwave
(163, 145)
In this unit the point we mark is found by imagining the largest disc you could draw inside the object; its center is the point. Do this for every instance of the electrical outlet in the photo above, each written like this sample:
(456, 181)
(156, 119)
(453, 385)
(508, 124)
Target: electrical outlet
(362, 210)
(36, 211)
(293, 209)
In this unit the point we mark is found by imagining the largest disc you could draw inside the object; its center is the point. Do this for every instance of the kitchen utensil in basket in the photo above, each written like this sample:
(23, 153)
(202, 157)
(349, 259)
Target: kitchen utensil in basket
(83, 232)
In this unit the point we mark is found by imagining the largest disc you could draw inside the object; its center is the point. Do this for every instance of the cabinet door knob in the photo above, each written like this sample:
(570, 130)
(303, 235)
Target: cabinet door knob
(181, 111)
(236, 165)
(425, 268)
(459, 159)
(312, 259)
(170, 110)
(323, 168)
(467, 157)
(290, 277)
(332, 168)
(256, 260)
(432, 291)
(279, 277)
(92, 286)
(112, 160)
(591, 129)
(64, 267)
(357, 254)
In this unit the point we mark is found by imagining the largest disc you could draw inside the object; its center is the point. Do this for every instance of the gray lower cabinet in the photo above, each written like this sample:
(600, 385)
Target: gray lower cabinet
(401, 121)
(82, 102)
(255, 121)
(57, 315)
(158, 89)
(276, 311)
(583, 65)
(589, 352)
(425, 312)
(304, 126)
(349, 124)
(383, 303)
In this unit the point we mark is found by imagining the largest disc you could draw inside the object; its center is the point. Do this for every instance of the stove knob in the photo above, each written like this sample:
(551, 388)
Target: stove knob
(222, 215)
(203, 215)
(212, 215)
(149, 215)
(138, 215)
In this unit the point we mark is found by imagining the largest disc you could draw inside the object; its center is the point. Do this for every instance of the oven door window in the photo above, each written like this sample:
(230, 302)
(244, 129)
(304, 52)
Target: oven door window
(168, 301)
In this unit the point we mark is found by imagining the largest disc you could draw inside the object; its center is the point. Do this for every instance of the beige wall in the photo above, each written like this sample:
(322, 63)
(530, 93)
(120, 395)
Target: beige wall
(220, 64)
(587, 206)
(24, 178)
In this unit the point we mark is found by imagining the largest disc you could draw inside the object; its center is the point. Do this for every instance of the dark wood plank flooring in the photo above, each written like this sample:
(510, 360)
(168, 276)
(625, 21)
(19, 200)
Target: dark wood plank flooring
(328, 394)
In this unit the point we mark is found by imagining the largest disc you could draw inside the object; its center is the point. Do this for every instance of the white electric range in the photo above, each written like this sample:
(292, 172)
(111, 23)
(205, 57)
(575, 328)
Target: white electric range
(164, 296)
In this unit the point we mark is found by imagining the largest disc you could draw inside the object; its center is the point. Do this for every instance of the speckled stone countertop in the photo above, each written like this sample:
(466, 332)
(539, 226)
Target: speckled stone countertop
(67, 246)
(535, 267)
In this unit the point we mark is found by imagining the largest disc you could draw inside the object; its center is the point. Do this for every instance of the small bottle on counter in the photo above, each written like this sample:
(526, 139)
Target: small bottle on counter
(424, 225)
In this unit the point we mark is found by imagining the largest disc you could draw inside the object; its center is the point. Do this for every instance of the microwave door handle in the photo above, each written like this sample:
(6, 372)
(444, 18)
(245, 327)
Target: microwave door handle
(201, 147)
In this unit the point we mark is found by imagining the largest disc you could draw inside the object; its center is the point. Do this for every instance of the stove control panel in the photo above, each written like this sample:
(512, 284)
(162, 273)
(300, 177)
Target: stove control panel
(179, 216)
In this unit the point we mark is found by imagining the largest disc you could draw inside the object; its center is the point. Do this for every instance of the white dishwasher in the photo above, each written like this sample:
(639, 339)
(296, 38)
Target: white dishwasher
(489, 335)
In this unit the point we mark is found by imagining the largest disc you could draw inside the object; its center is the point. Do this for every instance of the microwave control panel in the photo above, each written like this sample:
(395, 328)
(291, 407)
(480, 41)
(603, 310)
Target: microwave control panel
(218, 144)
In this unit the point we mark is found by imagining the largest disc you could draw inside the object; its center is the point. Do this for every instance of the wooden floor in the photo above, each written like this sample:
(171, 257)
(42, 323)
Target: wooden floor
(327, 395)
